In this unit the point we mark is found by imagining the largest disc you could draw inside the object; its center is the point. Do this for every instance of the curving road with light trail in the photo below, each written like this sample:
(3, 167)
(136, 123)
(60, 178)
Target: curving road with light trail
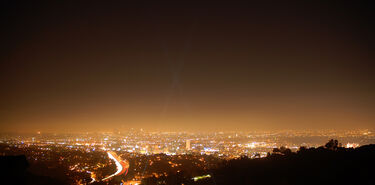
(122, 166)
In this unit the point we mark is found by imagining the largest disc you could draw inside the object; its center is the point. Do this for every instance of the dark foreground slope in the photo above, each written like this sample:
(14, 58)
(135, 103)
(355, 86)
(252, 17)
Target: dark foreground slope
(13, 170)
(308, 166)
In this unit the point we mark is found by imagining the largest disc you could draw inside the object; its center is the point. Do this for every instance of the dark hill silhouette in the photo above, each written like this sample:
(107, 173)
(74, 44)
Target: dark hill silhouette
(13, 171)
(324, 165)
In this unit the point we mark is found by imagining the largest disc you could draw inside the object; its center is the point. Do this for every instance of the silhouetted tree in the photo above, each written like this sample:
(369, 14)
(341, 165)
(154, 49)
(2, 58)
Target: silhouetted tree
(287, 151)
(332, 144)
(282, 150)
(276, 150)
(302, 149)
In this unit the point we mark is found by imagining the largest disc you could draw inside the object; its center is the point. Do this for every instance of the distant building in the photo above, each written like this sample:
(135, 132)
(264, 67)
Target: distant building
(188, 145)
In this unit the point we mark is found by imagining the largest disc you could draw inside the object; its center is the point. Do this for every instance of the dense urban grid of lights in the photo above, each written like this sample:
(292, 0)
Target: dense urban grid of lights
(172, 145)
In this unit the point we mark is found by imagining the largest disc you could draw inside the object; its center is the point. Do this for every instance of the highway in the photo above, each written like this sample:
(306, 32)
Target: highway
(122, 166)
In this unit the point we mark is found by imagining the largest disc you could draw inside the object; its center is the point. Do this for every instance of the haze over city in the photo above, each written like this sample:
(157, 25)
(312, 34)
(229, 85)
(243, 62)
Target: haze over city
(68, 67)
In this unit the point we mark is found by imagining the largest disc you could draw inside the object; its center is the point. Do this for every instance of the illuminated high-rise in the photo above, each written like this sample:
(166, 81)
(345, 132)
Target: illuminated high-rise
(188, 145)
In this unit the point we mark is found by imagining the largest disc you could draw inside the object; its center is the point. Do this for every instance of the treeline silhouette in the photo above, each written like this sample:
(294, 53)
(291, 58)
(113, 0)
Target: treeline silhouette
(329, 164)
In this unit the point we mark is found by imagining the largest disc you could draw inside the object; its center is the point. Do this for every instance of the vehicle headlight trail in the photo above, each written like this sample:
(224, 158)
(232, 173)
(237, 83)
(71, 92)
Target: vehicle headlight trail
(122, 166)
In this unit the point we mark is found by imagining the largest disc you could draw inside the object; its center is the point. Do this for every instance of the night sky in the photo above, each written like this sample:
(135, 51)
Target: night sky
(73, 66)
